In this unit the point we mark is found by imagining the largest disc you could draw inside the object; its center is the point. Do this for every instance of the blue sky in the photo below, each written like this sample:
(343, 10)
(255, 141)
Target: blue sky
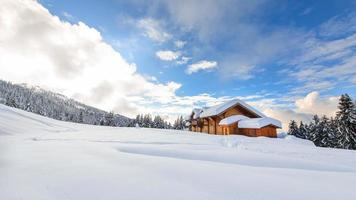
(281, 56)
(280, 25)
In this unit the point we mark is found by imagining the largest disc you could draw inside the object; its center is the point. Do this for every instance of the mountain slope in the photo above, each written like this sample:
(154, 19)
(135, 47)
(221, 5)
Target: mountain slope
(42, 158)
(54, 105)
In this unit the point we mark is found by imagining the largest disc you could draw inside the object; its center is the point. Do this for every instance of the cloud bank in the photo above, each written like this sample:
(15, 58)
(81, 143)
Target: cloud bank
(304, 108)
(40, 49)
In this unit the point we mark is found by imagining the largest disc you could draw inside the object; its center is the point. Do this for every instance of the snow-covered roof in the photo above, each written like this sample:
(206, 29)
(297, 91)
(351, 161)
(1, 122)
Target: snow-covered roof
(196, 113)
(218, 109)
(232, 119)
(259, 122)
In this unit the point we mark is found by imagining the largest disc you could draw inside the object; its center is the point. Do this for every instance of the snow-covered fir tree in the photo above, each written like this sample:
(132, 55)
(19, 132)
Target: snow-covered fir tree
(109, 119)
(302, 131)
(346, 117)
(293, 128)
(332, 138)
(179, 123)
(322, 132)
(318, 131)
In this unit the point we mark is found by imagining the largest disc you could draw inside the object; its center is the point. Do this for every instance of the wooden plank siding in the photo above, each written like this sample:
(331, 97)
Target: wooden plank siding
(238, 110)
(267, 131)
(205, 127)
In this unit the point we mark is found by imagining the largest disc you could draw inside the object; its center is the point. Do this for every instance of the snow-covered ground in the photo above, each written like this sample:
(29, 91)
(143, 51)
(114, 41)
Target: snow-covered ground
(41, 158)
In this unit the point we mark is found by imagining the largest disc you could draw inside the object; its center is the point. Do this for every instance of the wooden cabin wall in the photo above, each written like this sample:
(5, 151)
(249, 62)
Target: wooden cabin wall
(219, 129)
(249, 132)
(238, 110)
(234, 129)
(232, 111)
(226, 130)
(211, 126)
(205, 126)
(269, 131)
(229, 130)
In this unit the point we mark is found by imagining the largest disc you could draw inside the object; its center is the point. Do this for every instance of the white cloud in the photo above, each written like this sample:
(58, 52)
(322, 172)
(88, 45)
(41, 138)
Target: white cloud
(314, 104)
(183, 60)
(180, 43)
(201, 65)
(303, 110)
(338, 25)
(286, 115)
(74, 60)
(316, 50)
(153, 29)
(250, 45)
(168, 55)
(71, 59)
(323, 65)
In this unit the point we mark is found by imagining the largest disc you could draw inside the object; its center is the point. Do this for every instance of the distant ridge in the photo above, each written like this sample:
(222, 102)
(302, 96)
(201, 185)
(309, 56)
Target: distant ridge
(56, 106)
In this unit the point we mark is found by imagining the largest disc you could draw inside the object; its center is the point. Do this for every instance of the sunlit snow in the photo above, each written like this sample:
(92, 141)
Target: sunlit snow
(42, 158)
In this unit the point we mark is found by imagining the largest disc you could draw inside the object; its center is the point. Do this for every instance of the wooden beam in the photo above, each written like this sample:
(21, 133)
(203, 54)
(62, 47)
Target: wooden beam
(208, 126)
(215, 126)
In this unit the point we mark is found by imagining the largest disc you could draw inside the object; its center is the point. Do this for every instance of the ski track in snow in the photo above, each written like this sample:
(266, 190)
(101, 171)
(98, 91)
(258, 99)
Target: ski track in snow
(42, 158)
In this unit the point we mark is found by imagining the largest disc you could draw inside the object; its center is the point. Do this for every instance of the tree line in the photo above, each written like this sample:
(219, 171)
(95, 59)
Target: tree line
(334, 132)
(147, 121)
(57, 106)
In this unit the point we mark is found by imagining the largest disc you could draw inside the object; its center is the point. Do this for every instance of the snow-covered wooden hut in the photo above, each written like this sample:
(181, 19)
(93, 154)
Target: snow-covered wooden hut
(233, 117)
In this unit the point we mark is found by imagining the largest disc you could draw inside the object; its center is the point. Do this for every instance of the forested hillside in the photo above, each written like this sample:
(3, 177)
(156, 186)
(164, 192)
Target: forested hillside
(56, 106)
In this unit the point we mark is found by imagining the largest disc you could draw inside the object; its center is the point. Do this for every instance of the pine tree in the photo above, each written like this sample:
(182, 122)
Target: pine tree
(323, 132)
(302, 131)
(11, 102)
(332, 139)
(175, 124)
(80, 118)
(314, 130)
(109, 119)
(179, 123)
(346, 119)
(293, 128)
